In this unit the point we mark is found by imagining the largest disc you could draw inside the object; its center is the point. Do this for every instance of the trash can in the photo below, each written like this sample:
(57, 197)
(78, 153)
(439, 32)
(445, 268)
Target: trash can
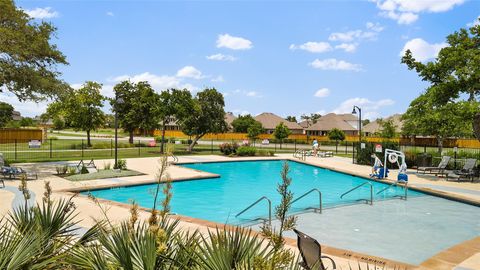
(424, 160)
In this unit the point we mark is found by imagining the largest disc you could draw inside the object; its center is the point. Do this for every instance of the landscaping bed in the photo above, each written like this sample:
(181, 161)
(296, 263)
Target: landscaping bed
(102, 174)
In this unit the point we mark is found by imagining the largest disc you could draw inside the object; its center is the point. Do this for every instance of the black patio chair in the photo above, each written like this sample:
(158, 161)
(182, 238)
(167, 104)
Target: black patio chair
(311, 253)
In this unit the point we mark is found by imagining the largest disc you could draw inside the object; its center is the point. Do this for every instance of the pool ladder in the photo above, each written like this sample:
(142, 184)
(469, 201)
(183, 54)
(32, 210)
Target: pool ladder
(319, 209)
(300, 154)
(256, 202)
(175, 158)
(359, 186)
(405, 187)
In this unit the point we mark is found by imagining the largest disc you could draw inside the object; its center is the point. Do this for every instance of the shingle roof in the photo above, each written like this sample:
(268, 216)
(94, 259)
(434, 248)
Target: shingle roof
(229, 117)
(331, 121)
(270, 121)
(304, 124)
(374, 126)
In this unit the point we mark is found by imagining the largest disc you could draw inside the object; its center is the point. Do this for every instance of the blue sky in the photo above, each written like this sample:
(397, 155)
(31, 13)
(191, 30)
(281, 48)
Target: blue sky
(288, 57)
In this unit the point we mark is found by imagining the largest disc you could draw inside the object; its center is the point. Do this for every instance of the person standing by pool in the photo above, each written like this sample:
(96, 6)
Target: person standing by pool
(377, 164)
(315, 147)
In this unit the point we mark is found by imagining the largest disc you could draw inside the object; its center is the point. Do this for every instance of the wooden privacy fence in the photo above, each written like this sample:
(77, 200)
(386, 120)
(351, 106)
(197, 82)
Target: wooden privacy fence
(461, 143)
(20, 134)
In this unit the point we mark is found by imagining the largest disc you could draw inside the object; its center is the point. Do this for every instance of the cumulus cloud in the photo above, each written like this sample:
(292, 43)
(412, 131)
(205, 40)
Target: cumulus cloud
(247, 93)
(26, 108)
(334, 64)
(42, 13)
(190, 72)
(370, 108)
(159, 82)
(218, 79)
(322, 92)
(109, 13)
(475, 22)
(422, 50)
(406, 11)
(234, 43)
(312, 46)
(221, 57)
(347, 47)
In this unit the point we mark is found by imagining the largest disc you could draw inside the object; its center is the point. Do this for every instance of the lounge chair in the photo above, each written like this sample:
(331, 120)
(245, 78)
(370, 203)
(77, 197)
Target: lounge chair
(311, 252)
(15, 172)
(438, 169)
(90, 166)
(325, 154)
(465, 173)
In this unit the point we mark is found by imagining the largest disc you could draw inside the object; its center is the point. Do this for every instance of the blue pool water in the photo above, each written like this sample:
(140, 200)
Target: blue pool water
(407, 231)
(241, 183)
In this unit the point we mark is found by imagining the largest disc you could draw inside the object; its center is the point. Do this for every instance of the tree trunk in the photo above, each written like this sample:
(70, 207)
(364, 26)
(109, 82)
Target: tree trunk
(89, 143)
(163, 138)
(336, 146)
(440, 144)
(130, 138)
(190, 147)
(476, 125)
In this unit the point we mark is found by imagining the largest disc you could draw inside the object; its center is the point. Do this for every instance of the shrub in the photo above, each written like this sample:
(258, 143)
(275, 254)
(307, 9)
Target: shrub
(228, 148)
(53, 138)
(72, 170)
(121, 164)
(61, 170)
(246, 151)
(272, 153)
(83, 170)
(262, 152)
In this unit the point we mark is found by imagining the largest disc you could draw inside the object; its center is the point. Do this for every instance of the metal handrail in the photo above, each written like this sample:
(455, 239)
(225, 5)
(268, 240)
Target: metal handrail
(396, 184)
(175, 158)
(257, 201)
(310, 191)
(361, 185)
(300, 154)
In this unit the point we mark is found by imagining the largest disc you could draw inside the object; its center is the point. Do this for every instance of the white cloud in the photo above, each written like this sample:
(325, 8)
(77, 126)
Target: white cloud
(218, 79)
(422, 50)
(246, 93)
(159, 82)
(234, 43)
(109, 13)
(370, 109)
(312, 46)
(252, 94)
(334, 64)
(41, 13)
(190, 72)
(221, 57)
(26, 108)
(406, 11)
(352, 35)
(347, 47)
(374, 26)
(475, 22)
(322, 92)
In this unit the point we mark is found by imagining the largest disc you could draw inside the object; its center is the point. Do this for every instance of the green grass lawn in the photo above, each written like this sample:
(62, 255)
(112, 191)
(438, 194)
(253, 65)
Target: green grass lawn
(102, 174)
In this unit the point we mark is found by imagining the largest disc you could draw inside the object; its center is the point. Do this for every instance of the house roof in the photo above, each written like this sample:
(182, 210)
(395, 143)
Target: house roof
(374, 126)
(229, 117)
(304, 124)
(348, 117)
(331, 121)
(270, 121)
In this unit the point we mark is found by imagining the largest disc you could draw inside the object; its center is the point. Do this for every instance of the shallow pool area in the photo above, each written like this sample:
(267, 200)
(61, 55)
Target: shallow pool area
(408, 231)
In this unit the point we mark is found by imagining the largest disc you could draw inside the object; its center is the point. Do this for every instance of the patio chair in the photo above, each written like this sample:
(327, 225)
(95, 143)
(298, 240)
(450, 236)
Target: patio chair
(438, 169)
(311, 252)
(465, 173)
(325, 154)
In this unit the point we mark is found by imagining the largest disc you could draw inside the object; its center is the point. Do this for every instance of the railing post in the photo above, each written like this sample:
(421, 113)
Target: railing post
(15, 149)
(211, 146)
(82, 148)
(111, 147)
(139, 148)
(51, 148)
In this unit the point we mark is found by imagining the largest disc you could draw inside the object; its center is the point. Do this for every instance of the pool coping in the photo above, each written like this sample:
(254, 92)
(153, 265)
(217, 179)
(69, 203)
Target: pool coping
(445, 259)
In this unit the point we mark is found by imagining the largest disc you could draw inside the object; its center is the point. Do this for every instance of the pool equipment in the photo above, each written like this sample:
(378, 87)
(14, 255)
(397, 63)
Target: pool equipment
(394, 156)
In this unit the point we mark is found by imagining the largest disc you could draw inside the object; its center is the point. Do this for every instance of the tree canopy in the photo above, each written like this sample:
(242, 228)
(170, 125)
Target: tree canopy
(311, 119)
(242, 123)
(254, 130)
(207, 116)
(28, 59)
(454, 78)
(388, 129)
(291, 119)
(6, 111)
(336, 135)
(281, 132)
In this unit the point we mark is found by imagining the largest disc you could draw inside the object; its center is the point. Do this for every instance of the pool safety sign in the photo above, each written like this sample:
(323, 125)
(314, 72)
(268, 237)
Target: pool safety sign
(34, 144)
(378, 148)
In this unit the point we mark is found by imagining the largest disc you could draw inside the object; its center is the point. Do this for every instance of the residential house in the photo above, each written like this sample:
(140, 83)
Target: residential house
(16, 116)
(346, 123)
(269, 121)
(374, 127)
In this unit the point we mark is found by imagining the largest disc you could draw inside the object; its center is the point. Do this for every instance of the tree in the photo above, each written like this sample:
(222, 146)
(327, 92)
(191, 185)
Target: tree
(27, 58)
(311, 119)
(27, 122)
(254, 130)
(388, 129)
(125, 110)
(454, 74)
(81, 108)
(281, 132)
(146, 105)
(58, 123)
(207, 116)
(425, 117)
(6, 111)
(365, 122)
(174, 105)
(336, 135)
(291, 119)
(242, 123)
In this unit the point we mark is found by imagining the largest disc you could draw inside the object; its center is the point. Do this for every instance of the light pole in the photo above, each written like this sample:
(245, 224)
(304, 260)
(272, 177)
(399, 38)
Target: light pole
(118, 101)
(354, 111)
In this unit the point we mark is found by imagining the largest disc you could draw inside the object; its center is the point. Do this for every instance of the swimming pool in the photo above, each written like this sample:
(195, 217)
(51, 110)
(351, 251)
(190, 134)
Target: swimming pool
(419, 227)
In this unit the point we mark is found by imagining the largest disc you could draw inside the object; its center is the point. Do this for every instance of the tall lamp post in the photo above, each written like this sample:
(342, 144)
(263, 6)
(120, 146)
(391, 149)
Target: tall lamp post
(118, 101)
(354, 111)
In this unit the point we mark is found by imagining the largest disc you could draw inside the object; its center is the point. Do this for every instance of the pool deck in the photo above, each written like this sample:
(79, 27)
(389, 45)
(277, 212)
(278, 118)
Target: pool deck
(464, 256)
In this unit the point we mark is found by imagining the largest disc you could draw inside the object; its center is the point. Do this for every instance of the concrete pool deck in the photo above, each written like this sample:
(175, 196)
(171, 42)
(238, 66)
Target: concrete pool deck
(463, 256)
